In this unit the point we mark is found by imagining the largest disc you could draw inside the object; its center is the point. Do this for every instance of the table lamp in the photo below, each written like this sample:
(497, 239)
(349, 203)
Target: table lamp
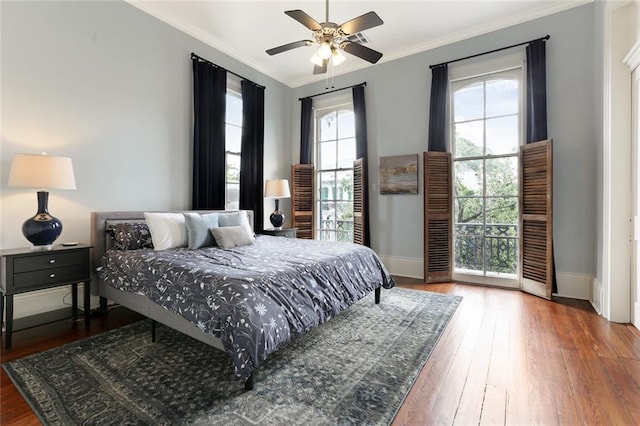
(277, 188)
(42, 171)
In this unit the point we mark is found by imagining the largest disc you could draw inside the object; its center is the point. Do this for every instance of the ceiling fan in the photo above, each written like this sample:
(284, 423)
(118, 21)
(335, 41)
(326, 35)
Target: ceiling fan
(333, 39)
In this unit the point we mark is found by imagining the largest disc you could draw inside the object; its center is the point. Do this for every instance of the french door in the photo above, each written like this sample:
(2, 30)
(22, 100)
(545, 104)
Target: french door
(487, 129)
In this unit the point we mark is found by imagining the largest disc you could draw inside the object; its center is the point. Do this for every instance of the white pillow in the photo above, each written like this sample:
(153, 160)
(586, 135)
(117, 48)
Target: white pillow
(168, 230)
(232, 236)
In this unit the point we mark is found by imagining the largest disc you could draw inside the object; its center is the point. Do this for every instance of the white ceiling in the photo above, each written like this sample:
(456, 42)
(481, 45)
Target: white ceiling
(245, 29)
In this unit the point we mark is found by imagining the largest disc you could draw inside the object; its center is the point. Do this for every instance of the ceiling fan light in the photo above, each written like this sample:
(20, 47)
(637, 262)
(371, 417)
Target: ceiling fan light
(316, 59)
(324, 51)
(337, 57)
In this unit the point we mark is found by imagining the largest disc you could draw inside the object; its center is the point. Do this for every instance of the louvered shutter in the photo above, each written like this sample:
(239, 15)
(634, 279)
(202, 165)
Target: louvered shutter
(438, 217)
(302, 200)
(536, 218)
(359, 183)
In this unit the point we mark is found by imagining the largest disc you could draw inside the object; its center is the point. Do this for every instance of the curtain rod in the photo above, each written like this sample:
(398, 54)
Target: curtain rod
(545, 38)
(200, 58)
(364, 83)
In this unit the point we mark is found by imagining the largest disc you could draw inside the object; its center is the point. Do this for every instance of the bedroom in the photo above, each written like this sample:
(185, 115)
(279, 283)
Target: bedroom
(110, 86)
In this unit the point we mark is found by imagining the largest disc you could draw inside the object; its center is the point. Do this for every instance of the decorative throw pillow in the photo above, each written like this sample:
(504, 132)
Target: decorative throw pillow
(238, 218)
(232, 236)
(168, 230)
(198, 226)
(131, 236)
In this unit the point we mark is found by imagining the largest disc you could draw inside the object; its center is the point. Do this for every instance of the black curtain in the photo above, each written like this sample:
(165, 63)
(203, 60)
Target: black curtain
(438, 109)
(209, 107)
(252, 153)
(360, 112)
(306, 131)
(536, 91)
(537, 107)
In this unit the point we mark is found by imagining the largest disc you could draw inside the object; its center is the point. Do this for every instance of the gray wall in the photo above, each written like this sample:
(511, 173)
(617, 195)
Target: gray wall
(111, 87)
(397, 112)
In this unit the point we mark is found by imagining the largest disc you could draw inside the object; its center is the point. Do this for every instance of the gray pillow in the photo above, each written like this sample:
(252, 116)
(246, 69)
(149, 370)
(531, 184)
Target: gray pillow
(198, 226)
(232, 236)
(238, 218)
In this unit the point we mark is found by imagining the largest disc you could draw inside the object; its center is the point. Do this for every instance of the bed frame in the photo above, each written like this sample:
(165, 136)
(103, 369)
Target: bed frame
(101, 240)
(101, 223)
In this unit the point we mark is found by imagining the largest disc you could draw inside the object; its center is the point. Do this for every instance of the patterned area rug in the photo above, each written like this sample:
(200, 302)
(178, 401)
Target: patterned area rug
(355, 369)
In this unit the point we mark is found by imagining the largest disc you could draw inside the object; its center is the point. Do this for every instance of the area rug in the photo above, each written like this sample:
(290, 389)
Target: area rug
(355, 369)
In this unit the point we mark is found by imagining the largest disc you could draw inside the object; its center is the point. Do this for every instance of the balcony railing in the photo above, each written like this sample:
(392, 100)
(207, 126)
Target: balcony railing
(339, 230)
(499, 242)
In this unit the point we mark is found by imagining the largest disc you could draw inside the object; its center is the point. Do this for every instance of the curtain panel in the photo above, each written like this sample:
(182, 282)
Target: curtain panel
(536, 91)
(306, 131)
(252, 152)
(360, 112)
(537, 106)
(209, 107)
(438, 109)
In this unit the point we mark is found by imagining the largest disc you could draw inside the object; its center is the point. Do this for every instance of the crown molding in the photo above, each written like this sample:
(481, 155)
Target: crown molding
(193, 31)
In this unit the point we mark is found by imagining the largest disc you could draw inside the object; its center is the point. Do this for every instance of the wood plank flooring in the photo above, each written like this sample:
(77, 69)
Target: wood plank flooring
(505, 358)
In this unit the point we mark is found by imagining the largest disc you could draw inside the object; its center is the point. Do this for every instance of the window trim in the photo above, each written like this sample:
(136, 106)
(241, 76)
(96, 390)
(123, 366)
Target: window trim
(234, 90)
(460, 76)
(334, 105)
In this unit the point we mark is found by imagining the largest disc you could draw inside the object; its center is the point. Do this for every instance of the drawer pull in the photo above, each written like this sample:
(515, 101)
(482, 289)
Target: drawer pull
(52, 261)
(52, 275)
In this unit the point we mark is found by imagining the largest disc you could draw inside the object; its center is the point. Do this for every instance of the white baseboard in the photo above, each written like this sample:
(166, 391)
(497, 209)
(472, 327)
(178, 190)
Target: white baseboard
(636, 315)
(404, 266)
(574, 286)
(571, 285)
(596, 296)
(52, 299)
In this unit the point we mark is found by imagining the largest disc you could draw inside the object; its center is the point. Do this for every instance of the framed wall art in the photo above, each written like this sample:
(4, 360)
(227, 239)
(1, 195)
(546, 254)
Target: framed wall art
(399, 174)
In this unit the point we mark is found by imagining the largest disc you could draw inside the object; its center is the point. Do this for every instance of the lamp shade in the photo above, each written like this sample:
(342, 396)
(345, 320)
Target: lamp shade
(42, 171)
(277, 188)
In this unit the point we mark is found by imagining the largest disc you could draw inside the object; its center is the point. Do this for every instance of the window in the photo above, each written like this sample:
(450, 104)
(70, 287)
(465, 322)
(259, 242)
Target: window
(487, 131)
(335, 154)
(233, 145)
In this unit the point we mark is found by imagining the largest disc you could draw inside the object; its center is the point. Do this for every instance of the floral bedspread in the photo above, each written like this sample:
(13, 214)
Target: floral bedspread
(255, 298)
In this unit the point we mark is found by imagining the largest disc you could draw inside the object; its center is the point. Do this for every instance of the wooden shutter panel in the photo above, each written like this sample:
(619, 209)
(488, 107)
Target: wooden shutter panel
(359, 183)
(536, 218)
(302, 183)
(438, 217)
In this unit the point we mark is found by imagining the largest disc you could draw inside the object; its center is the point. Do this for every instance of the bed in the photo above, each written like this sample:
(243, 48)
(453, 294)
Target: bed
(249, 300)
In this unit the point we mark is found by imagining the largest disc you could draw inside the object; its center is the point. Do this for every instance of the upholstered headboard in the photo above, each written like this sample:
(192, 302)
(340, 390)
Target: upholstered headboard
(101, 223)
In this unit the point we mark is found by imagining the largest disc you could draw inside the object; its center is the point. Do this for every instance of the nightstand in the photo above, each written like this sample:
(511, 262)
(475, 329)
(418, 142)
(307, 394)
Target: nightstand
(26, 269)
(284, 232)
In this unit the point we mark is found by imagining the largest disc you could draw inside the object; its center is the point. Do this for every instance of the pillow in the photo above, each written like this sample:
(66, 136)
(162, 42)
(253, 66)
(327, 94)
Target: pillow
(232, 236)
(238, 218)
(168, 230)
(131, 236)
(198, 225)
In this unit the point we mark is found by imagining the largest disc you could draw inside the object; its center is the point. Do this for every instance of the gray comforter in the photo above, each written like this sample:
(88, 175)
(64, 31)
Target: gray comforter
(255, 298)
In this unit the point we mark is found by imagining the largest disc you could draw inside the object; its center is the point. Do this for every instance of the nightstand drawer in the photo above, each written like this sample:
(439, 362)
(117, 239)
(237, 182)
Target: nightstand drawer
(51, 276)
(47, 261)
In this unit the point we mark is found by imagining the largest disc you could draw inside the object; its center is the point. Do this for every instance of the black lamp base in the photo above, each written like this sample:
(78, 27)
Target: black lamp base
(277, 218)
(42, 229)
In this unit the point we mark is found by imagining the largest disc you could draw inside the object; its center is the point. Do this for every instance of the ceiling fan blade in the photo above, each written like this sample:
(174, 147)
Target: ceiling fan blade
(361, 23)
(362, 52)
(322, 69)
(289, 46)
(304, 19)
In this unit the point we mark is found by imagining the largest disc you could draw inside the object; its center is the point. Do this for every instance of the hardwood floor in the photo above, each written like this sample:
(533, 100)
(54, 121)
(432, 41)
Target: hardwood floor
(505, 358)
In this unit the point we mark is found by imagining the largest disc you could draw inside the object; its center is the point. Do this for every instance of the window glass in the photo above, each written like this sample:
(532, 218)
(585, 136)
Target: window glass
(486, 134)
(336, 152)
(469, 102)
(233, 147)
